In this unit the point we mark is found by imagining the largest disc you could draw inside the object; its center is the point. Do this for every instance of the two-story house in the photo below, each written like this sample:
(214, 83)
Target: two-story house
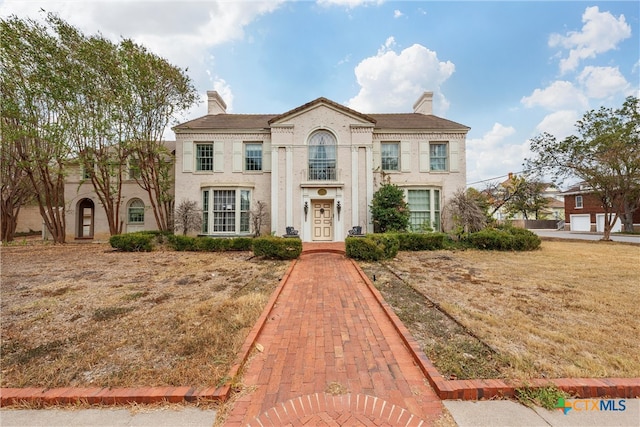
(316, 167)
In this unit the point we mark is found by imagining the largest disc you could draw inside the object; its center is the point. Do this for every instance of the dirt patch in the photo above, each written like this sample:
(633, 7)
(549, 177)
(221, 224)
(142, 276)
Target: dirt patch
(85, 315)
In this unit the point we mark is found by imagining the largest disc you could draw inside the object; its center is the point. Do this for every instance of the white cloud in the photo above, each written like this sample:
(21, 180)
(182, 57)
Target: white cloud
(397, 14)
(603, 82)
(392, 82)
(559, 124)
(560, 94)
(600, 33)
(494, 154)
(348, 3)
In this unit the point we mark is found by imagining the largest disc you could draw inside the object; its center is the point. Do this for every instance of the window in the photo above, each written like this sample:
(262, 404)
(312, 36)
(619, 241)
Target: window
(204, 157)
(136, 212)
(424, 205)
(438, 157)
(253, 156)
(134, 168)
(322, 156)
(390, 159)
(578, 202)
(226, 211)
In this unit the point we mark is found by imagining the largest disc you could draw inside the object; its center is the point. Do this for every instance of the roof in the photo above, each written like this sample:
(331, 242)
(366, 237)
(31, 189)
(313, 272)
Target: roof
(399, 121)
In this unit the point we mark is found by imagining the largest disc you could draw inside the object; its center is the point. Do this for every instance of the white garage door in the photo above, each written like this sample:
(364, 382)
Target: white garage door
(617, 227)
(580, 222)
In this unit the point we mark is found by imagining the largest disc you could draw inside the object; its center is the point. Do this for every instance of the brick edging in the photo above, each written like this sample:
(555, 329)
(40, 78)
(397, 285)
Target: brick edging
(494, 388)
(144, 395)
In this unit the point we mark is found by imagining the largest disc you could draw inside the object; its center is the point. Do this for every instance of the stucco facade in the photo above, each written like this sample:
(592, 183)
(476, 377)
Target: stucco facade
(316, 167)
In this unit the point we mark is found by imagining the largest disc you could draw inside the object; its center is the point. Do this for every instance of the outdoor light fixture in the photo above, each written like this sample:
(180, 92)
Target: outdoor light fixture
(338, 208)
(306, 210)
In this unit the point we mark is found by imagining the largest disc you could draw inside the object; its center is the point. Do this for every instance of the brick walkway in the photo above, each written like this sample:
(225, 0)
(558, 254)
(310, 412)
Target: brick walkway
(332, 357)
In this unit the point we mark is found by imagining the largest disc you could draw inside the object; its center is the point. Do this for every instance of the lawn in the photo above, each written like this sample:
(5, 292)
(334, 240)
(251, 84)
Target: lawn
(84, 315)
(569, 309)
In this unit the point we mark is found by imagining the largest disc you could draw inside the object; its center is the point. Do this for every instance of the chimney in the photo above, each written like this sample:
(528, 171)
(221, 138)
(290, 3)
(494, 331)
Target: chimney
(215, 103)
(424, 104)
(510, 176)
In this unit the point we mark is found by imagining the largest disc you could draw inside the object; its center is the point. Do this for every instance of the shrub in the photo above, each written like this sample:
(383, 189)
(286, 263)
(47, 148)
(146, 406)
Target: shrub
(277, 247)
(507, 239)
(241, 244)
(132, 242)
(372, 247)
(420, 241)
(182, 243)
(210, 244)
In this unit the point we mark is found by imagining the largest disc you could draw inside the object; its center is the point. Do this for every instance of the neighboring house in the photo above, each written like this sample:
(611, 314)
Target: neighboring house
(553, 211)
(584, 211)
(85, 216)
(316, 166)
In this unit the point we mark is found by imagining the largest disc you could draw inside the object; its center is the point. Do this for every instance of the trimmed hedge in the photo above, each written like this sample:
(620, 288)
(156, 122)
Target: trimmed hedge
(132, 242)
(277, 247)
(209, 244)
(507, 239)
(372, 247)
(421, 241)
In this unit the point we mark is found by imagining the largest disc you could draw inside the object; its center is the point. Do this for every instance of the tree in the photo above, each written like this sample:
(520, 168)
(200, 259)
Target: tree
(464, 211)
(188, 217)
(259, 216)
(528, 198)
(389, 210)
(14, 187)
(36, 119)
(605, 154)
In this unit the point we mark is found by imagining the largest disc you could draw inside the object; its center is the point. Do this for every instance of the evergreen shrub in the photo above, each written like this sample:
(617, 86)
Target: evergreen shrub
(277, 247)
(132, 242)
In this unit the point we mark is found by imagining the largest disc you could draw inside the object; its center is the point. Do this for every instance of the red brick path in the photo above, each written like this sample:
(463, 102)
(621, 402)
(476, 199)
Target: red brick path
(327, 332)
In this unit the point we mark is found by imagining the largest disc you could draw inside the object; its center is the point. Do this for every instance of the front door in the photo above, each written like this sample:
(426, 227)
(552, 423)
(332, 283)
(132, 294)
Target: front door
(85, 219)
(322, 220)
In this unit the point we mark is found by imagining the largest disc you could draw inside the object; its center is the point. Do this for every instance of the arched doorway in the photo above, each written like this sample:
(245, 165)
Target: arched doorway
(84, 219)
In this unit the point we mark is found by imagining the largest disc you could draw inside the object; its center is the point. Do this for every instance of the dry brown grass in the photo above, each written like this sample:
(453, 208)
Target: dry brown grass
(84, 315)
(570, 309)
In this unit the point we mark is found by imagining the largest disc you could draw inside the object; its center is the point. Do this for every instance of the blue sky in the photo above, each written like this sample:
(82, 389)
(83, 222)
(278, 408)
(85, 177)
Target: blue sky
(509, 70)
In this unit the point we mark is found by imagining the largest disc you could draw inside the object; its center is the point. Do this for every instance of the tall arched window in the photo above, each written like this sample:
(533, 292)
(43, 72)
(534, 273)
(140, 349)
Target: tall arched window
(136, 211)
(322, 156)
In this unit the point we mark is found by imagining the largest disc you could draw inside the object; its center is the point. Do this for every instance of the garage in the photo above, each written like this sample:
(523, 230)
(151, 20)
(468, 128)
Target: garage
(616, 228)
(580, 222)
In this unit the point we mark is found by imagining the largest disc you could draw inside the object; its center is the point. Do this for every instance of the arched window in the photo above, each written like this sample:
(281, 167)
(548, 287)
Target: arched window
(322, 156)
(136, 212)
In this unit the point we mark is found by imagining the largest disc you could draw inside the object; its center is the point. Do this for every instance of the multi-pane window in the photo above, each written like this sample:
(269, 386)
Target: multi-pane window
(205, 211)
(253, 156)
(438, 156)
(424, 205)
(390, 157)
(204, 157)
(322, 156)
(226, 211)
(578, 202)
(136, 212)
(134, 168)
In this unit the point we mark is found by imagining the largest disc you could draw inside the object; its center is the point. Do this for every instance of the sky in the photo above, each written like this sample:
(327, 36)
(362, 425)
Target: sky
(509, 70)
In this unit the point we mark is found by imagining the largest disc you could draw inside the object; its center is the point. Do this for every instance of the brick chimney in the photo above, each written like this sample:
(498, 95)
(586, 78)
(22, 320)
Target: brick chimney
(424, 104)
(215, 103)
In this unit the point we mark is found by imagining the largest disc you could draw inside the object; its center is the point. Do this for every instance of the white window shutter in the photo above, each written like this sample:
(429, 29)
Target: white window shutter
(405, 156)
(453, 157)
(187, 156)
(266, 156)
(424, 156)
(218, 156)
(237, 156)
(377, 159)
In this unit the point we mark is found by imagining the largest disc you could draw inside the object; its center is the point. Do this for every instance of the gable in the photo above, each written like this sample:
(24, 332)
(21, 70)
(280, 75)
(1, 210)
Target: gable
(320, 104)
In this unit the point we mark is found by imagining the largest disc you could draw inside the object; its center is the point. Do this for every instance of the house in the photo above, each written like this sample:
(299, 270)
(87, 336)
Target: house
(553, 210)
(86, 218)
(315, 167)
(584, 211)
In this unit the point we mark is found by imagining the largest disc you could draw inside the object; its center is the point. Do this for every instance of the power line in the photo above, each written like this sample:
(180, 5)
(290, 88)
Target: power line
(493, 179)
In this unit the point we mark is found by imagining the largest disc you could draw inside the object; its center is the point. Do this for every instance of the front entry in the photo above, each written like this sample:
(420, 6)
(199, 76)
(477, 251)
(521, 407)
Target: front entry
(322, 220)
